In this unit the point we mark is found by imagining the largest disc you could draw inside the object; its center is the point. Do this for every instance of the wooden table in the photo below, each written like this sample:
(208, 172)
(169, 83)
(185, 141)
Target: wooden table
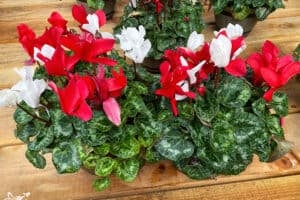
(277, 180)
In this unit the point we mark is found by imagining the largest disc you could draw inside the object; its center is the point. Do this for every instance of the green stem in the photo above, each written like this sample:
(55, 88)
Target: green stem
(34, 115)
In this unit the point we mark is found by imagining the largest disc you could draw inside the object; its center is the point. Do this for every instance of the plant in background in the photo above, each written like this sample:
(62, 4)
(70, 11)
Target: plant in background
(168, 23)
(242, 9)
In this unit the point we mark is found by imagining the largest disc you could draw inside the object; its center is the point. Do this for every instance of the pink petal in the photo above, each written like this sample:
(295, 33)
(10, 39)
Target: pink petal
(112, 110)
(237, 68)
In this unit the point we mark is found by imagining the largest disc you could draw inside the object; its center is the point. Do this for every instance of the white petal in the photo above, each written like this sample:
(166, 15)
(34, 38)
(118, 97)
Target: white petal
(220, 50)
(142, 31)
(195, 40)
(107, 35)
(132, 3)
(9, 97)
(183, 61)
(93, 24)
(47, 51)
(234, 31)
(192, 72)
(185, 87)
(26, 73)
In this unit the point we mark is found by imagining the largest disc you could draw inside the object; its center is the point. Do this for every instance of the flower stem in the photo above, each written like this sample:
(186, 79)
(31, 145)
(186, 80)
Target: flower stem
(217, 78)
(34, 115)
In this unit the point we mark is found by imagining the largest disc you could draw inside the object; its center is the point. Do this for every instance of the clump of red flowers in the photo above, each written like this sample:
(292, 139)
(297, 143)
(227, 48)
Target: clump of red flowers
(60, 49)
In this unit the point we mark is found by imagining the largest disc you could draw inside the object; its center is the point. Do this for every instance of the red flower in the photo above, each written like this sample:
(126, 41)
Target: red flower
(72, 98)
(174, 85)
(26, 38)
(268, 67)
(60, 64)
(88, 49)
(57, 20)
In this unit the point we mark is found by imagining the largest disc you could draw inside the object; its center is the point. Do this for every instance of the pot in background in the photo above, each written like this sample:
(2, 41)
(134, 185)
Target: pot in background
(152, 65)
(224, 18)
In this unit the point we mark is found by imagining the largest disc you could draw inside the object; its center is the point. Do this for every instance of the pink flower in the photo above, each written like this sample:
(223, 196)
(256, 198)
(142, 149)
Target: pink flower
(268, 67)
(73, 98)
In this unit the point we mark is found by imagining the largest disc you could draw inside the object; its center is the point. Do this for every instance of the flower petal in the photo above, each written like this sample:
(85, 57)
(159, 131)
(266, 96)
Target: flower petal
(79, 13)
(195, 41)
(112, 110)
(236, 68)
(220, 51)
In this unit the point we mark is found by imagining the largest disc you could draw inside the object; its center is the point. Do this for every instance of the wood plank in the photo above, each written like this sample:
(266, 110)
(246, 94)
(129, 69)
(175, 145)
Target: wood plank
(158, 177)
(283, 188)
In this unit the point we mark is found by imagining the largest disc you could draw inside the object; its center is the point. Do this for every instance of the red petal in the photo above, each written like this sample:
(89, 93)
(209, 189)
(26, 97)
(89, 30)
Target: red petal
(56, 66)
(289, 71)
(201, 90)
(112, 110)
(26, 38)
(269, 48)
(104, 61)
(101, 46)
(79, 13)
(271, 77)
(283, 61)
(56, 19)
(118, 82)
(269, 94)
(83, 112)
(237, 68)
(174, 107)
(255, 61)
(101, 17)
(237, 43)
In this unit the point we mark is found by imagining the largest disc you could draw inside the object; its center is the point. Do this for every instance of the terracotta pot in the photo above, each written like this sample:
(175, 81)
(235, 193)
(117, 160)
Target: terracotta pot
(225, 18)
(151, 65)
(109, 7)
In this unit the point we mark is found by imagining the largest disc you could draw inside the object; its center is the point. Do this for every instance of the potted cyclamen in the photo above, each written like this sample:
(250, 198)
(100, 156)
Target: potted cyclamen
(208, 111)
(108, 6)
(168, 24)
(245, 13)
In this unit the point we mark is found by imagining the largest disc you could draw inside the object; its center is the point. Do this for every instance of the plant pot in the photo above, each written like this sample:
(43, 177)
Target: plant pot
(224, 18)
(109, 7)
(152, 65)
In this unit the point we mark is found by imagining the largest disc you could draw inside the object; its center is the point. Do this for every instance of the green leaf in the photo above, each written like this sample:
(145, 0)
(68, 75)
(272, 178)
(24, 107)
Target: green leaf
(195, 171)
(186, 110)
(280, 104)
(174, 146)
(233, 92)
(35, 159)
(21, 117)
(66, 157)
(127, 170)
(200, 134)
(25, 132)
(259, 107)
(222, 137)
(90, 161)
(296, 53)
(273, 125)
(43, 139)
(126, 148)
(206, 108)
(152, 156)
(101, 184)
(262, 13)
(102, 150)
(105, 166)
(96, 4)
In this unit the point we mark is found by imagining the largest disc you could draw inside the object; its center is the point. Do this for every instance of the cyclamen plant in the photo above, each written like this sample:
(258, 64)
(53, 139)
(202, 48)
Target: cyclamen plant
(209, 111)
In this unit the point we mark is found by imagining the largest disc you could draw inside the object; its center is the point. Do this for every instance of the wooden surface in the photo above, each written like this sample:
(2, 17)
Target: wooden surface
(277, 180)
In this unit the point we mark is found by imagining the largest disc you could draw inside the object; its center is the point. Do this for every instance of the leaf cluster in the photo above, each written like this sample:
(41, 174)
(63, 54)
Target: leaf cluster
(241, 9)
(168, 29)
(220, 132)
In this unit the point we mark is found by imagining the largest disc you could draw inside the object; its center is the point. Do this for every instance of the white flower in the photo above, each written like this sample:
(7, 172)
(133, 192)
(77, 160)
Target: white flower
(26, 89)
(93, 24)
(220, 50)
(232, 31)
(133, 43)
(195, 40)
(9, 97)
